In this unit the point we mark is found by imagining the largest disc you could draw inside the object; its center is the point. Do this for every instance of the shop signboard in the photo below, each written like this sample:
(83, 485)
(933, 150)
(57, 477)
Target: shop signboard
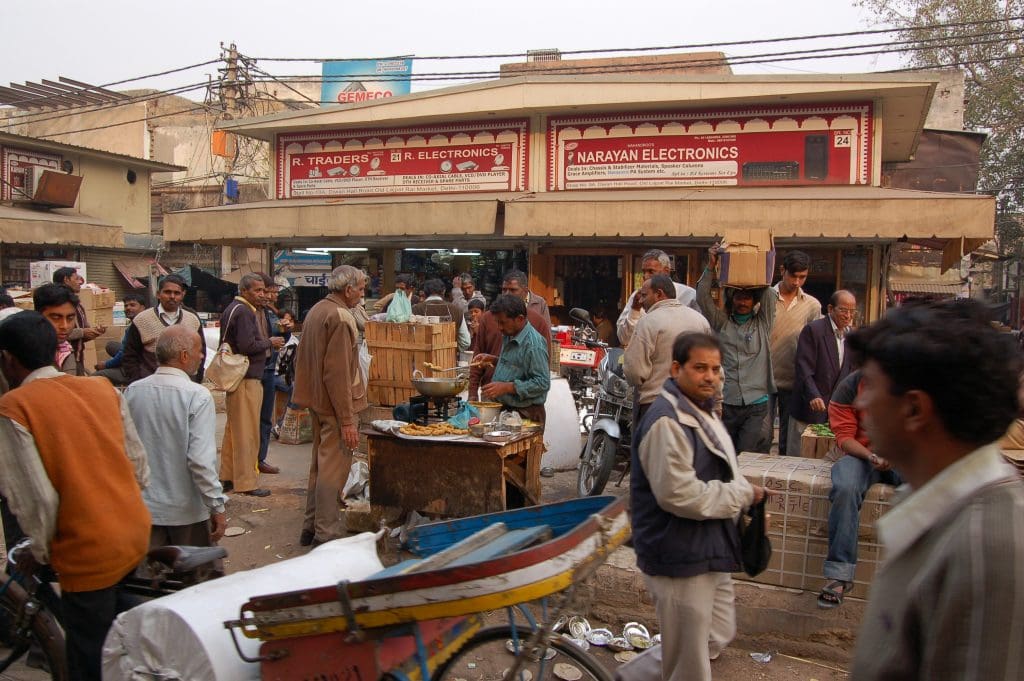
(800, 145)
(462, 157)
(363, 80)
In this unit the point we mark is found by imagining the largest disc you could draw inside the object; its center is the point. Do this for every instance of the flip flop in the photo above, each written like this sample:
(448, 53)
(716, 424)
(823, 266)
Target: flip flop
(831, 597)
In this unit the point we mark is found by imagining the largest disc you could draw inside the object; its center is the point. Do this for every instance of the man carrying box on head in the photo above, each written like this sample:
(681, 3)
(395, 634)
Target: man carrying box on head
(746, 357)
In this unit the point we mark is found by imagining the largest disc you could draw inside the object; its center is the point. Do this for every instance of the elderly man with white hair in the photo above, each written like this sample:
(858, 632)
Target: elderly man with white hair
(654, 261)
(177, 423)
(329, 382)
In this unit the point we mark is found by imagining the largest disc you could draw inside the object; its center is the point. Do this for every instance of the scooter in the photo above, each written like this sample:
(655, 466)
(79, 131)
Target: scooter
(579, 355)
(610, 427)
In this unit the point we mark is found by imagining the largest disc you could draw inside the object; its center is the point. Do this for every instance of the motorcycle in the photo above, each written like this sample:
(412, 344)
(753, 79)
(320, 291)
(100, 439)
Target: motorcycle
(610, 427)
(579, 355)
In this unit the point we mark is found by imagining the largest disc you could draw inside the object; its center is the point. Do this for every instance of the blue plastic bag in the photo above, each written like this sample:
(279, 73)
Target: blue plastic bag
(400, 309)
(463, 414)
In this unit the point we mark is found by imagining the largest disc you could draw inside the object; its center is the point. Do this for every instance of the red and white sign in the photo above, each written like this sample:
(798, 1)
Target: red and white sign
(15, 164)
(467, 157)
(808, 145)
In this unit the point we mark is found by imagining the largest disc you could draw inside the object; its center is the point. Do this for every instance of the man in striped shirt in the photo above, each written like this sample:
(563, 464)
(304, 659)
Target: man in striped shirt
(939, 389)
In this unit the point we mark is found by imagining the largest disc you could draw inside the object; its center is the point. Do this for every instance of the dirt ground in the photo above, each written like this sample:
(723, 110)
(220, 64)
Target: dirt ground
(271, 527)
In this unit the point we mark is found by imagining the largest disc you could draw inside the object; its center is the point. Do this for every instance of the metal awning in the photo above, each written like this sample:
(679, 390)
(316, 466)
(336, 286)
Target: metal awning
(836, 213)
(25, 226)
(790, 212)
(306, 221)
(930, 287)
(133, 269)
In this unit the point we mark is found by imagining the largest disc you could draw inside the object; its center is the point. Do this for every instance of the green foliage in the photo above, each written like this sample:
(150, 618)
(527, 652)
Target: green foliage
(990, 55)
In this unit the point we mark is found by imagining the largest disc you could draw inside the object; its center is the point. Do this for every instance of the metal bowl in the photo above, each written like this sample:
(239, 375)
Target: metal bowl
(488, 410)
(478, 429)
(500, 436)
(440, 387)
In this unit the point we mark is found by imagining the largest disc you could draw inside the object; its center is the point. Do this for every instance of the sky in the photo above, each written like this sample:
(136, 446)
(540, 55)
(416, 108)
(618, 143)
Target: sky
(103, 41)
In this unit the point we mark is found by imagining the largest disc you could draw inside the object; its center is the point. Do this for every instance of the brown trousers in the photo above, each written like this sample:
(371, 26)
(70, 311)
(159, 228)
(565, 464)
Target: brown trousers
(241, 448)
(328, 470)
(196, 534)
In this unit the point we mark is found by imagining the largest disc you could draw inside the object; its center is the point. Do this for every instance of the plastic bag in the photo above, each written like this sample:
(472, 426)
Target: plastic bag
(463, 414)
(365, 358)
(296, 428)
(400, 309)
(357, 487)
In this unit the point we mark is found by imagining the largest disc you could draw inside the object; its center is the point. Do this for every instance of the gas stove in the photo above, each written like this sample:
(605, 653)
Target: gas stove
(421, 409)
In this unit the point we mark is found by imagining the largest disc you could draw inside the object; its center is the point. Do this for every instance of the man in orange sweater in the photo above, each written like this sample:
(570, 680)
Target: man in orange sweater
(72, 468)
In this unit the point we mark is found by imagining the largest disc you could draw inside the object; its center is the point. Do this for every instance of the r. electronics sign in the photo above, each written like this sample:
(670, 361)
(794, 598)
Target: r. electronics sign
(465, 157)
(808, 145)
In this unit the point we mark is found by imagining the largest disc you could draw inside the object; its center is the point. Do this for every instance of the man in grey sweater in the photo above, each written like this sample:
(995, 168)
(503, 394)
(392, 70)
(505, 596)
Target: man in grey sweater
(939, 389)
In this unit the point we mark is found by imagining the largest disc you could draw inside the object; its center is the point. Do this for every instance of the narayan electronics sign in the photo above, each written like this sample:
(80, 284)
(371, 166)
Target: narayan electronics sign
(363, 80)
(800, 145)
(464, 157)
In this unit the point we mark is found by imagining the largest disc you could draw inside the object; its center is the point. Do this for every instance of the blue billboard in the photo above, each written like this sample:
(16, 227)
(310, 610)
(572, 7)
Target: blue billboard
(361, 80)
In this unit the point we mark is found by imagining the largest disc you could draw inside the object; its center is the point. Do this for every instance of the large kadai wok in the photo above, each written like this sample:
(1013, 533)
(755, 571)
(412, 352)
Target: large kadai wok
(440, 387)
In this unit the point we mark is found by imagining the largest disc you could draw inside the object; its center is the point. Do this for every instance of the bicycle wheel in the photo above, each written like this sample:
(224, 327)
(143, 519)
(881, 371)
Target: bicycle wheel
(485, 657)
(47, 639)
(596, 464)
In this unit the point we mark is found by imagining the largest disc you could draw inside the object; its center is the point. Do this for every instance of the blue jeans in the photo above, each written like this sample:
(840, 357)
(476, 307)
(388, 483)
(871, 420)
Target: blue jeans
(851, 479)
(267, 409)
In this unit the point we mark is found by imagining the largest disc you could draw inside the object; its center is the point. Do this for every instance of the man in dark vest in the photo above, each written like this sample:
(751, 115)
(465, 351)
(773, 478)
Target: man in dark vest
(686, 495)
(139, 359)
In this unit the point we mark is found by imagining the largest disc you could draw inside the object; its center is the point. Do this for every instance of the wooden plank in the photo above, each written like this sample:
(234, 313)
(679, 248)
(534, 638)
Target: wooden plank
(510, 542)
(467, 546)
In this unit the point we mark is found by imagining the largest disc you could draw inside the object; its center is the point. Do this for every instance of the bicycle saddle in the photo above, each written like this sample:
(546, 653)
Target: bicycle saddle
(185, 558)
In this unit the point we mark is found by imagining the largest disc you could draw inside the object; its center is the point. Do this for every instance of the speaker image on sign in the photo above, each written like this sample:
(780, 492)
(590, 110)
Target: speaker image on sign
(816, 157)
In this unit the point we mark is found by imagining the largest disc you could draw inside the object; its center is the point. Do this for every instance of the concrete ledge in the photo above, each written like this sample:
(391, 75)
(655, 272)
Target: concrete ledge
(767, 617)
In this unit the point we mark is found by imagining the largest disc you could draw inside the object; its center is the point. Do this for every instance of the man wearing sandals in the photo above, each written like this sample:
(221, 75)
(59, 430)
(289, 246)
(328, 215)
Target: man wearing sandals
(939, 390)
(852, 477)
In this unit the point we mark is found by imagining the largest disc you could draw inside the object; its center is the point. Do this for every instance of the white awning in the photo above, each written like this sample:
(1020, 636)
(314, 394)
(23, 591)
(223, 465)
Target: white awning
(25, 226)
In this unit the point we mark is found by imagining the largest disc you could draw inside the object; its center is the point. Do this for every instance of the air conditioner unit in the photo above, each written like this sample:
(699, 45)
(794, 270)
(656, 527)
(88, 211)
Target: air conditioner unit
(47, 187)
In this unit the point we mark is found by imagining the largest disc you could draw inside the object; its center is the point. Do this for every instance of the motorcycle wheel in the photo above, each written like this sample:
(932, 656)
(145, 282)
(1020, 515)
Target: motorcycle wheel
(596, 464)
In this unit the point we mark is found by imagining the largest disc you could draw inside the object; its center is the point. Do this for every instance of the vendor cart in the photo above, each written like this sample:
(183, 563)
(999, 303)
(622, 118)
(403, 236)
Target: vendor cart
(419, 619)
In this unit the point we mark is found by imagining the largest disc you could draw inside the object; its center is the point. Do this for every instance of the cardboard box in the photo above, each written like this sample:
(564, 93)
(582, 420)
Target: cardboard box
(41, 271)
(748, 258)
(816, 446)
(798, 523)
(101, 317)
(22, 298)
(93, 299)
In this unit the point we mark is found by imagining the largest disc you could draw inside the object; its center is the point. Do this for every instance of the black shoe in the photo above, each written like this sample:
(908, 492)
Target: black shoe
(306, 538)
(227, 485)
(259, 492)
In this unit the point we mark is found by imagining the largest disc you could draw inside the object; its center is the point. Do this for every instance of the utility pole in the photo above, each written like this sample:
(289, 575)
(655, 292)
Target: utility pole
(229, 103)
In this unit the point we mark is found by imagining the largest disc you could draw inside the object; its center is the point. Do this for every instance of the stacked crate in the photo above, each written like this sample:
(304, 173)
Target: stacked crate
(398, 350)
(99, 308)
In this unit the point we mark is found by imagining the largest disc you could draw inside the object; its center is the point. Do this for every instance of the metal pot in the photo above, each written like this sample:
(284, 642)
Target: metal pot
(439, 387)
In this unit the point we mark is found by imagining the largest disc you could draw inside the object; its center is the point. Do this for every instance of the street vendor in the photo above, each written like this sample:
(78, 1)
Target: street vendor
(521, 377)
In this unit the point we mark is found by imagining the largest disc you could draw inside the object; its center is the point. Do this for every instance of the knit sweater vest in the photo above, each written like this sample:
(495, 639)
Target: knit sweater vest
(150, 326)
(103, 525)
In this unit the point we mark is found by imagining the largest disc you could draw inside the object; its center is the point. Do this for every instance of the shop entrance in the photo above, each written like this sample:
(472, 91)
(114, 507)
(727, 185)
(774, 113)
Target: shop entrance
(592, 282)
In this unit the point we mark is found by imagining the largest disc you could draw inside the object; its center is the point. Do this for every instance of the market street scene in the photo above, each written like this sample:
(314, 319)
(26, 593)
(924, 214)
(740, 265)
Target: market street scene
(590, 342)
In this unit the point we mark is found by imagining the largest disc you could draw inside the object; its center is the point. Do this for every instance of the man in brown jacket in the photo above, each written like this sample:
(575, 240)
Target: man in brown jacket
(329, 382)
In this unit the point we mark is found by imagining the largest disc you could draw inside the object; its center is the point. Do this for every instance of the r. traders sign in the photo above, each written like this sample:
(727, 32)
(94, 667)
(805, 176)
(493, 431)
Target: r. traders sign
(805, 145)
(462, 157)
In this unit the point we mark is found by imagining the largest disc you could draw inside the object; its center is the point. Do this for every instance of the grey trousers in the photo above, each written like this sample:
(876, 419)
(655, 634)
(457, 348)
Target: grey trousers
(697, 616)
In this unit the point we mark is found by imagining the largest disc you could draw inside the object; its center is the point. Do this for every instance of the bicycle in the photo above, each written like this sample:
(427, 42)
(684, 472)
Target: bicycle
(27, 623)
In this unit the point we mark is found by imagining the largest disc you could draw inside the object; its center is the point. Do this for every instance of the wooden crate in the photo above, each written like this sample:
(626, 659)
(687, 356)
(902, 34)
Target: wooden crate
(815, 446)
(398, 349)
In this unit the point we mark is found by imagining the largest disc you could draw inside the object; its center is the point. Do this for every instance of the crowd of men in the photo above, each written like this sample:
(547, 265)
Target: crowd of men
(917, 398)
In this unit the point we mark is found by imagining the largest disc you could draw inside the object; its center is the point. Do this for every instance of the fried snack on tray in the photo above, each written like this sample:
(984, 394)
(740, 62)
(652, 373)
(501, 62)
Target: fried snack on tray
(433, 429)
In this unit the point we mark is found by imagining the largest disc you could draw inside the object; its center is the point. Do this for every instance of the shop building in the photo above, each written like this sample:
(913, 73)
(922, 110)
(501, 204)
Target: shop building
(576, 176)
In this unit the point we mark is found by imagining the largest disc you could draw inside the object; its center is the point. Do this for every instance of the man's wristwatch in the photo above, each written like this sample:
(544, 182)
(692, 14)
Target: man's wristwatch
(873, 459)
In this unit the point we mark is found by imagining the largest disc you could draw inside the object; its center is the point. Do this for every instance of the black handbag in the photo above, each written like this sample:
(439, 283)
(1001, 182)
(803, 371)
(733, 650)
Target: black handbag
(755, 547)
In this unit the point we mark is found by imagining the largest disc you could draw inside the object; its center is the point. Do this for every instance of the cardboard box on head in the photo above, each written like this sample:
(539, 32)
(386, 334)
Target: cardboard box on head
(747, 259)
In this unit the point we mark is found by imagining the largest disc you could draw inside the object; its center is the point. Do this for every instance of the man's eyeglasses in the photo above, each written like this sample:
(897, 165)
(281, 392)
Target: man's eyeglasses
(846, 310)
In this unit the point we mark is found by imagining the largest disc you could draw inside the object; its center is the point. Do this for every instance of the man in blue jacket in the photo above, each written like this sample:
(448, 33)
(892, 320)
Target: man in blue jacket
(687, 495)
(110, 369)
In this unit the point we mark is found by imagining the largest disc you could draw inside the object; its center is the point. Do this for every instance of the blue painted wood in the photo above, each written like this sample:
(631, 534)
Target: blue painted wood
(510, 542)
(394, 569)
(561, 517)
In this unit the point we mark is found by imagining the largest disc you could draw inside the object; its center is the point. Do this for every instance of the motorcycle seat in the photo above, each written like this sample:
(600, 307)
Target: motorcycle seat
(185, 558)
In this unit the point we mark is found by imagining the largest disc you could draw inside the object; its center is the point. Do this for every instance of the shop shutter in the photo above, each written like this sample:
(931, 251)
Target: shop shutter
(101, 270)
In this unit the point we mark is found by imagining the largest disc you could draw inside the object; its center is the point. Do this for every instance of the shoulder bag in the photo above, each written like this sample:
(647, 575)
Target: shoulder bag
(755, 547)
(227, 369)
